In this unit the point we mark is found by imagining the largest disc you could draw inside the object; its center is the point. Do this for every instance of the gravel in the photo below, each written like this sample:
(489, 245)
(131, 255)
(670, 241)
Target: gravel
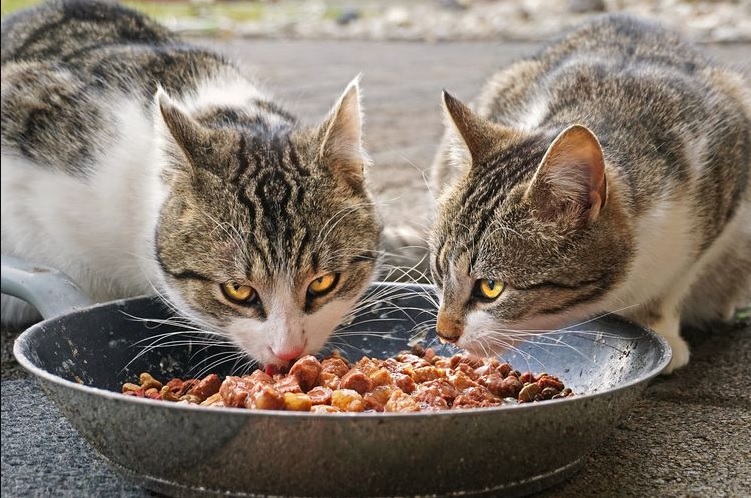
(440, 20)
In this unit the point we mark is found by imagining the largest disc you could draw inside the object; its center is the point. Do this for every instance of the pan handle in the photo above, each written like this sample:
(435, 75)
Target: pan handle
(50, 291)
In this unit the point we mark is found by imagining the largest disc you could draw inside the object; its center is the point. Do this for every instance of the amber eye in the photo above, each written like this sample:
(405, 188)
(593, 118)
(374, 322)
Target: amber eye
(487, 288)
(241, 294)
(323, 284)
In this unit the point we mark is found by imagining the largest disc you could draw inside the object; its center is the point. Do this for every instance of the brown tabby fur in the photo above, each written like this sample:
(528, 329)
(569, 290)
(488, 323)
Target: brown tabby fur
(609, 173)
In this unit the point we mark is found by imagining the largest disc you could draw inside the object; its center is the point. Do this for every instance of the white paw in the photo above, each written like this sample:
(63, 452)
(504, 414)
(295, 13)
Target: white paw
(680, 354)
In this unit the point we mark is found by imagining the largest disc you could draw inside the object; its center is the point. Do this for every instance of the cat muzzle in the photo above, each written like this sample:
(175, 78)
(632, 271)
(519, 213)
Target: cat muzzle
(449, 329)
(289, 354)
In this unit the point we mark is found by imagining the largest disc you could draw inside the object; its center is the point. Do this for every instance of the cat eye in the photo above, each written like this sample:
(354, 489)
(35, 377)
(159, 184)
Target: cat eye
(323, 284)
(488, 289)
(241, 294)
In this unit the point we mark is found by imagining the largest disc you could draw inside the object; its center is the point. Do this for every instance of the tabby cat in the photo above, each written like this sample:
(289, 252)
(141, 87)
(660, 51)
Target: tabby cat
(132, 161)
(609, 173)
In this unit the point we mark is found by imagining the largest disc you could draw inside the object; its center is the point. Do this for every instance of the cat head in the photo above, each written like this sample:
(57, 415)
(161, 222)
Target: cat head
(267, 235)
(530, 237)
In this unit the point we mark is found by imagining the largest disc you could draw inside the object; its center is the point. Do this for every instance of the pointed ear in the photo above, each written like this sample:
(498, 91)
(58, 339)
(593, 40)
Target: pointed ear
(341, 148)
(179, 129)
(476, 137)
(571, 180)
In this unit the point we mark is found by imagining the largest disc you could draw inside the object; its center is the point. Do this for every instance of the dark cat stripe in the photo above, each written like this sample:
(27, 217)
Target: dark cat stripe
(575, 300)
(559, 285)
(183, 273)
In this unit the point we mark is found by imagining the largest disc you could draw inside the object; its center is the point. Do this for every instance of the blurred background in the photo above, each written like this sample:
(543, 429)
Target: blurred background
(429, 20)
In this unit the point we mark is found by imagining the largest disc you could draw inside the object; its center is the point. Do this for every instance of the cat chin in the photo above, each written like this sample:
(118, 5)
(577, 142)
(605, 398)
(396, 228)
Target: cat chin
(481, 349)
(485, 335)
(255, 337)
(252, 336)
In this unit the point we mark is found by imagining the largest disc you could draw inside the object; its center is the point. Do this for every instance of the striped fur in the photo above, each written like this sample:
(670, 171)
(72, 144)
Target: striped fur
(661, 236)
(135, 162)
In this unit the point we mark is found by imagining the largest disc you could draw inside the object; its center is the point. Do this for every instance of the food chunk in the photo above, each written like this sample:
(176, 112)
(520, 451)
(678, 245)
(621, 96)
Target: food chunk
(356, 380)
(347, 400)
(235, 390)
(320, 395)
(412, 381)
(297, 402)
(401, 402)
(306, 371)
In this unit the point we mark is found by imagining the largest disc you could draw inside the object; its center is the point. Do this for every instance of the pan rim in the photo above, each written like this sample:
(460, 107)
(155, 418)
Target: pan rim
(20, 348)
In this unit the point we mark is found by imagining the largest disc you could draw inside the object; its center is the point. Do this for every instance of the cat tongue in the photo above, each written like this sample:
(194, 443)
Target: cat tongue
(270, 369)
(275, 369)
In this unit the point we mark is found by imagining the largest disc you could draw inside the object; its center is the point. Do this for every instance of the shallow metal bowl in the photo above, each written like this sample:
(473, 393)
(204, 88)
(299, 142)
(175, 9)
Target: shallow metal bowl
(82, 357)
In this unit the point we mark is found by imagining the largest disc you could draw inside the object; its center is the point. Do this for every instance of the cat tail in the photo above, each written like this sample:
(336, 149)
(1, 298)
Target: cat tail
(406, 254)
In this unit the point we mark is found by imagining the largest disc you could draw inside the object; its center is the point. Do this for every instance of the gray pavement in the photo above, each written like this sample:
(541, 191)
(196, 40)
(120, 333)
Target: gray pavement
(690, 435)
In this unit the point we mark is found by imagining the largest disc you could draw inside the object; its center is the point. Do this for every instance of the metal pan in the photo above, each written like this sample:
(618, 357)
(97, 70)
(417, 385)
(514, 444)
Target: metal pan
(82, 354)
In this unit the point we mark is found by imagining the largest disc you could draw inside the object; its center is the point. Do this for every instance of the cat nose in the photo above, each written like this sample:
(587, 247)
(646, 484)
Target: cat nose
(289, 354)
(448, 328)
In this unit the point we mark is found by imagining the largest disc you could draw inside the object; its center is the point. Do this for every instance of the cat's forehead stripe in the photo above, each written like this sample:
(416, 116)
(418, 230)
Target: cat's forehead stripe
(242, 160)
(492, 181)
(273, 108)
(259, 153)
(270, 186)
(301, 249)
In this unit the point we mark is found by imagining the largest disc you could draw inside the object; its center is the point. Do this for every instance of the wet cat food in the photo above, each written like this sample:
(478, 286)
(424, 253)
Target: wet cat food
(414, 381)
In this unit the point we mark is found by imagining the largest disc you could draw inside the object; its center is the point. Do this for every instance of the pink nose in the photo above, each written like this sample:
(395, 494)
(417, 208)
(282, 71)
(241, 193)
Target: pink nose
(290, 354)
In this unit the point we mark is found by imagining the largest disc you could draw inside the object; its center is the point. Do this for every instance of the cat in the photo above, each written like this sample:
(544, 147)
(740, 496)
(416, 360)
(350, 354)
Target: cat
(136, 163)
(611, 172)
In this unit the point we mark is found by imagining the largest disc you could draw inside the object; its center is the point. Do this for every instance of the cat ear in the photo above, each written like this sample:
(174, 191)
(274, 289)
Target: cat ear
(341, 148)
(571, 177)
(476, 136)
(180, 129)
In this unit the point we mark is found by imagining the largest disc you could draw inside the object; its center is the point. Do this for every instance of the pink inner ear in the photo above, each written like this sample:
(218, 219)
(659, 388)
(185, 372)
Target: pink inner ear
(573, 172)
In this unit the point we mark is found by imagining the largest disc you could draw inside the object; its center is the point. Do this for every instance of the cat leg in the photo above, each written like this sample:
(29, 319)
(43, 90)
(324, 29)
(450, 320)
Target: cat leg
(724, 284)
(709, 290)
(668, 325)
(664, 318)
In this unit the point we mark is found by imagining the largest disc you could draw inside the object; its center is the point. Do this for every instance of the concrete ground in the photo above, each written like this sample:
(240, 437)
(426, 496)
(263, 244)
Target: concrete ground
(689, 436)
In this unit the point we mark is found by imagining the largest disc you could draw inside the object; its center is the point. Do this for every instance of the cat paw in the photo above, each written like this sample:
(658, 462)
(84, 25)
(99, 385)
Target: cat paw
(680, 354)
